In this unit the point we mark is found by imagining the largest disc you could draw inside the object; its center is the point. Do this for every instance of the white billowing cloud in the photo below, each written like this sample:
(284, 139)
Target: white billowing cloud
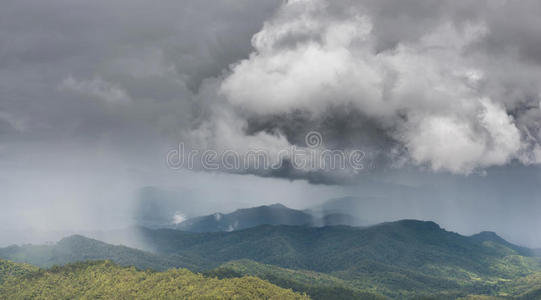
(426, 93)
(307, 75)
(445, 143)
(453, 143)
(505, 137)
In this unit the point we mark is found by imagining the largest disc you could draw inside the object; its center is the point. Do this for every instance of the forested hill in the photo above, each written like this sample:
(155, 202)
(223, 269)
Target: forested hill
(275, 214)
(105, 280)
(79, 248)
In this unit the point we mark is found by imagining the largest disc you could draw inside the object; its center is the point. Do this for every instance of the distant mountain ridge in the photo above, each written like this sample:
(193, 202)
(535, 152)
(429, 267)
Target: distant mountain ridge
(275, 214)
(158, 207)
(489, 236)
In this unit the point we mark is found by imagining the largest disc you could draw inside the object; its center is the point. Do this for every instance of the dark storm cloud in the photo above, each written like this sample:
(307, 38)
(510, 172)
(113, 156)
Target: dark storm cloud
(340, 128)
(78, 69)
(514, 31)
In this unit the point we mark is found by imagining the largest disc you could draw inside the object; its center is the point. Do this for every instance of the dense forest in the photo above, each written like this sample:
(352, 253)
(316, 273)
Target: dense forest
(106, 280)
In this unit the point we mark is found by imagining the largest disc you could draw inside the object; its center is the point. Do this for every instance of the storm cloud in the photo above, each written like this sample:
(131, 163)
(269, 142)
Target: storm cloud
(448, 85)
(425, 75)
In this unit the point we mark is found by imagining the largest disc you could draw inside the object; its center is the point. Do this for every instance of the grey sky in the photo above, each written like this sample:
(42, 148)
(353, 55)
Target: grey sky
(94, 93)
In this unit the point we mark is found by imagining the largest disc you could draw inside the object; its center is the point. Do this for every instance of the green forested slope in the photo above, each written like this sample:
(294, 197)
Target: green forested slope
(325, 286)
(8, 268)
(78, 248)
(105, 280)
(316, 285)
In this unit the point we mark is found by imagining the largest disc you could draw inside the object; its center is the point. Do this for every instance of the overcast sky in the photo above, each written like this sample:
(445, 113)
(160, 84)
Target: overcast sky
(442, 97)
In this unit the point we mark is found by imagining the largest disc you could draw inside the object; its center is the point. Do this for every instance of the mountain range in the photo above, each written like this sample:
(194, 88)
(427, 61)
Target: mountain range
(400, 260)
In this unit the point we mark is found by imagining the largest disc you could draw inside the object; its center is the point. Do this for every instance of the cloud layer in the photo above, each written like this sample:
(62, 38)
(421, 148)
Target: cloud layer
(447, 85)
